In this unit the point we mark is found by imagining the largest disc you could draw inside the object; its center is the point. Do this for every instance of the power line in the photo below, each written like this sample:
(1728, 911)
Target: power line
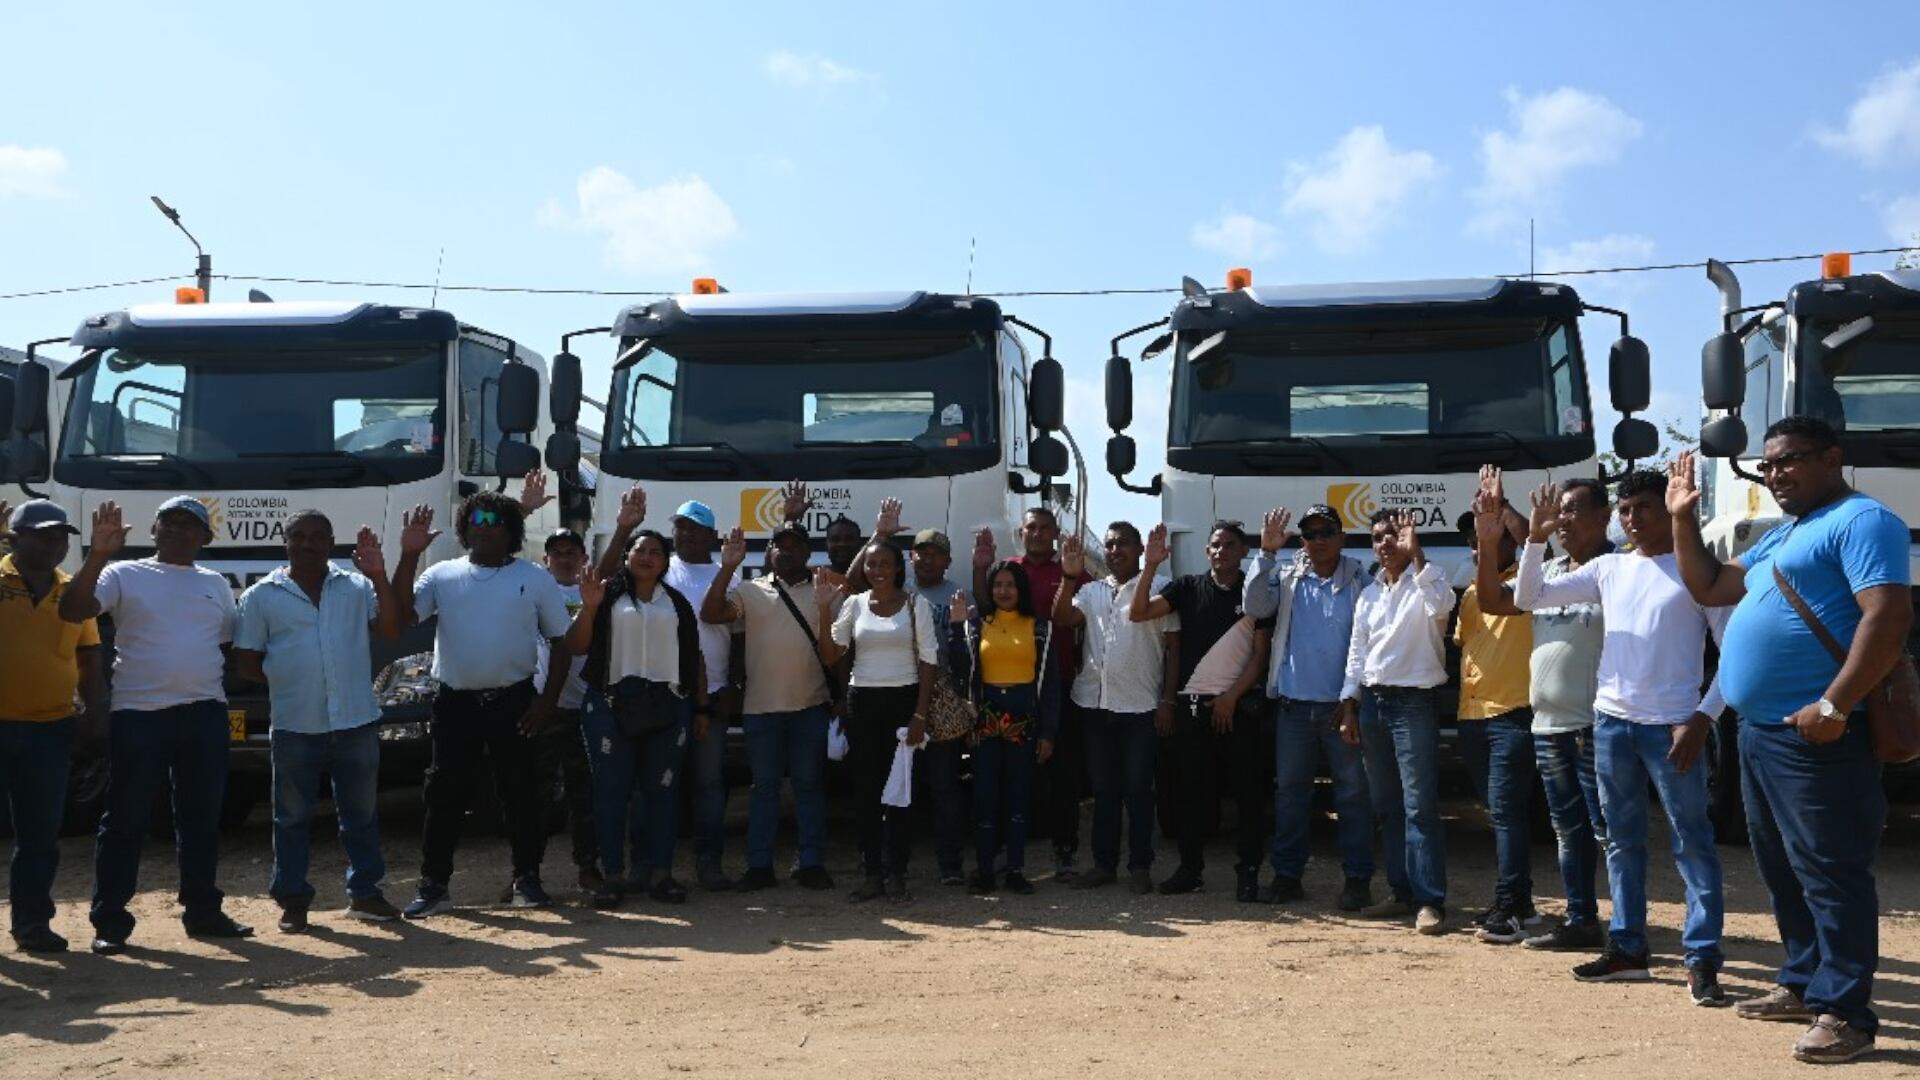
(539, 290)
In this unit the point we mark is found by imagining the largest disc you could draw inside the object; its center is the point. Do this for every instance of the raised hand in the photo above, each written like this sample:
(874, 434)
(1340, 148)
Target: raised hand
(1274, 529)
(592, 590)
(416, 530)
(109, 529)
(1546, 510)
(828, 588)
(1683, 494)
(794, 502)
(1493, 483)
(983, 552)
(888, 521)
(533, 492)
(957, 607)
(1073, 557)
(367, 556)
(1489, 517)
(633, 508)
(1156, 548)
(733, 550)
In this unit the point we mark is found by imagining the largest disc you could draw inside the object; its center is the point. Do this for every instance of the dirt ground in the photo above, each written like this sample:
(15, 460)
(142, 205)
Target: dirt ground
(793, 983)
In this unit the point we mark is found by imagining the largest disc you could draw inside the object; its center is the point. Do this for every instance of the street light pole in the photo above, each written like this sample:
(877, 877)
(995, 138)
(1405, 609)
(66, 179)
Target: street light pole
(203, 271)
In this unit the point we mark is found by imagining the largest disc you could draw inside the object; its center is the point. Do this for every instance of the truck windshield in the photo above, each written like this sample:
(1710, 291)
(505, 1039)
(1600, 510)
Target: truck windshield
(1877, 384)
(766, 406)
(256, 417)
(1517, 382)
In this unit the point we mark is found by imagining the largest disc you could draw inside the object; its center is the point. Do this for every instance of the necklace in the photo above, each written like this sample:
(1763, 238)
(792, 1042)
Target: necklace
(492, 571)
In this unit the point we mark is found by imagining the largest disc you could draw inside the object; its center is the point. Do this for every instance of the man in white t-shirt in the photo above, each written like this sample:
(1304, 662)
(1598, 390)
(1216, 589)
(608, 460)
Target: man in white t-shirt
(1119, 692)
(562, 754)
(1650, 724)
(172, 623)
(488, 706)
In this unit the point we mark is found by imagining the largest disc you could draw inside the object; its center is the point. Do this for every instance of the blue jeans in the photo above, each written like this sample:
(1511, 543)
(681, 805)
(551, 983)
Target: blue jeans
(1565, 761)
(1628, 756)
(707, 792)
(352, 759)
(1003, 784)
(1814, 816)
(188, 742)
(1302, 731)
(33, 782)
(1400, 741)
(1120, 758)
(782, 745)
(1510, 773)
(638, 770)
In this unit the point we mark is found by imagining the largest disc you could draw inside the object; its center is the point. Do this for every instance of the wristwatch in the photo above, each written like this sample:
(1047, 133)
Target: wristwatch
(1828, 711)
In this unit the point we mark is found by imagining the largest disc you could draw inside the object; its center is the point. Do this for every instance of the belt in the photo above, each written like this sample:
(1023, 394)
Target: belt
(489, 695)
(1385, 690)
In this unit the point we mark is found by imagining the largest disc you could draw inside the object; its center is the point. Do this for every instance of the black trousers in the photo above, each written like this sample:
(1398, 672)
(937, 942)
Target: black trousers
(1061, 784)
(1203, 757)
(876, 714)
(470, 728)
(561, 758)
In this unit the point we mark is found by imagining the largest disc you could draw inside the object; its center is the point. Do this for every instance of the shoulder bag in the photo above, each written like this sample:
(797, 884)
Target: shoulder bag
(949, 717)
(1893, 707)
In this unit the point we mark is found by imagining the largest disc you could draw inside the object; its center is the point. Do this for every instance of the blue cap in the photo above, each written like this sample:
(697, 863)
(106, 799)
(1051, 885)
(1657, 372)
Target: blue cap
(191, 505)
(40, 514)
(695, 511)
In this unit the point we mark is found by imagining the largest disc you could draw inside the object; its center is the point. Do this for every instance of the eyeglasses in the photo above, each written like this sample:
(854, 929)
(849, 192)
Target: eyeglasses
(1769, 466)
(1318, 534)
(485, 517)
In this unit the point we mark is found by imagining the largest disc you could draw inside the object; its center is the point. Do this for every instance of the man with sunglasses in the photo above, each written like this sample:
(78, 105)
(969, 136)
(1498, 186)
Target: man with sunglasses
(491, 607)
(1311, 598)
(1815, 805)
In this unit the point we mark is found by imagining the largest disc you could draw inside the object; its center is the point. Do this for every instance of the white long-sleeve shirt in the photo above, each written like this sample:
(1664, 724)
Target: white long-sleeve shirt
(1399, 631)
(1653, 656)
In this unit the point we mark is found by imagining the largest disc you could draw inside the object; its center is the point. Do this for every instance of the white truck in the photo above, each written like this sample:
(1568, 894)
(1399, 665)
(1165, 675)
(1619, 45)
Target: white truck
(1845, 348)
(360, 410)
(929, 398)
(24, 464)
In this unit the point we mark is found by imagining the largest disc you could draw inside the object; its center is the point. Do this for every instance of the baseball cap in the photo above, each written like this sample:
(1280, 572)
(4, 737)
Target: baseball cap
(564, 536)
(933, 538)
(40, 514)
(1321, 510)
(791, 528)
(190, 504)
(695, 511)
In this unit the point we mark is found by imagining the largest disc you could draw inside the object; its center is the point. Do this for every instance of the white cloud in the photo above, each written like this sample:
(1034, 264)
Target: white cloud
(1351, 192)
(673, 226)
(1613, 249)
(1237, 236)
(1902, 218)
(809, 70)
(1551, 134)
(1884, 124)
(31, 171)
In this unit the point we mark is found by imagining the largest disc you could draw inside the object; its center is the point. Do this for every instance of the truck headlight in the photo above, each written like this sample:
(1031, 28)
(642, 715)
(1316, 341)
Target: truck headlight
(406, 681)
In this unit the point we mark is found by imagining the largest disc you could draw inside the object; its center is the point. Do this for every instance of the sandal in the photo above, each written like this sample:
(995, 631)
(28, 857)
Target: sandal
(668, 891)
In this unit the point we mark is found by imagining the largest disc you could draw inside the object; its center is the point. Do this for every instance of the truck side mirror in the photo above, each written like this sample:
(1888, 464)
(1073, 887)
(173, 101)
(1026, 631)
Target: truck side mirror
(1119, 393)
(563, 451)
(1723, 437)
(1121, 455)
(513, 459)
(517, 409)
(1047, 456)
(563, 389)
(1723, 371)
(1635, 439)
(31, 382)
(24, 461)
(1047, 396)
(1629, 375)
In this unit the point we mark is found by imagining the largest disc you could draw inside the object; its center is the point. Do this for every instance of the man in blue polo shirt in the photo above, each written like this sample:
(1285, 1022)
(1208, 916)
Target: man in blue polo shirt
(303, 630)
(1815, 807)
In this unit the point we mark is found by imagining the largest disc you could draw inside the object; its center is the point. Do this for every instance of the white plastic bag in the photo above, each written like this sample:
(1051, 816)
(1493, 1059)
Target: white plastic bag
(836, 741)
(899, 789)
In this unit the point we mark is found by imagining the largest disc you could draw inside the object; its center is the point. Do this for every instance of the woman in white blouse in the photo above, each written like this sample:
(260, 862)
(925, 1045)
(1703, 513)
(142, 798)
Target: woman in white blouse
(646, 693)
(895, 660)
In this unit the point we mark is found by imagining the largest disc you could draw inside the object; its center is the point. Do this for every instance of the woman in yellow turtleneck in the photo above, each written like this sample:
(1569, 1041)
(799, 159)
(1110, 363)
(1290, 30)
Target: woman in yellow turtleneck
(1000, 658)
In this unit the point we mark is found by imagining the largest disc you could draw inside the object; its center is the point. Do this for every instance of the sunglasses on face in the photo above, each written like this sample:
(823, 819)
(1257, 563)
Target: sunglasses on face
(1318, 534)
(1769, 466)
(485, 517)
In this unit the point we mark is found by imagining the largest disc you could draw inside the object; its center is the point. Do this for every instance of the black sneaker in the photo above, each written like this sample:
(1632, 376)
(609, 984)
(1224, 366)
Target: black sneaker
(1246, 884)
(815, 878)
(1283, 890)
(1703, 986)
(1355, 895)
(108, 945)
(529, 893)
(982, 883)
(1569, 937)
(1500, 927)
(755, 879)
(293, 917)
(952, 877)
(39, 939)
(1184, 880)
(1016, 882)
(607, 895)
(1614, 965)
(431, 899)
(217, 925)
(590, 880)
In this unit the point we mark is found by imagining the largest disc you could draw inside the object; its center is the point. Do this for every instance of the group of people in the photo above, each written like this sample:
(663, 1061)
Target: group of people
(1580, 665)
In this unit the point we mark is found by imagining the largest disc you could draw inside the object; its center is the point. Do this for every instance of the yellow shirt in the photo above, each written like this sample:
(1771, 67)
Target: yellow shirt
(1007, 650)
(1496, 656)
(38, 669)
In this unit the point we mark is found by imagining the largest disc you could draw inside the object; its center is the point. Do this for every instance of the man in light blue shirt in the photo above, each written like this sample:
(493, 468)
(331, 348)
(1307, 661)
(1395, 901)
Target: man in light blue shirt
(1311, 597)
(304, 631)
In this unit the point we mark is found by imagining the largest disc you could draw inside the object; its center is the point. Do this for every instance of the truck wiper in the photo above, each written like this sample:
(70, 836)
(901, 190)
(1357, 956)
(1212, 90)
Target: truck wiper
(153, 457)
(862, 444)
(345, 457)
(1517, 443)
(725, 447)
(1319, 445)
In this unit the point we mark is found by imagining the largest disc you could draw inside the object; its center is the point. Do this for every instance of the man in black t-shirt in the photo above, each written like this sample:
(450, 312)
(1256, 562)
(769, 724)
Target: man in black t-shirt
(1216, 657)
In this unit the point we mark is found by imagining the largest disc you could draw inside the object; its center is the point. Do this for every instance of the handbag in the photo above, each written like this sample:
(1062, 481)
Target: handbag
(949, 716)
(643, 706)
(1893, 707)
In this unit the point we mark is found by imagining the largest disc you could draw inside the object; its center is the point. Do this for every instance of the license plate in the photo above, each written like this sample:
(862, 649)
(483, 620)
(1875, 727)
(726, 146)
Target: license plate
(237, 725)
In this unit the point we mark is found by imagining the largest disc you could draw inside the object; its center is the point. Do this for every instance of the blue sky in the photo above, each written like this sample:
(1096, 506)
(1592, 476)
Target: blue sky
(627, 146)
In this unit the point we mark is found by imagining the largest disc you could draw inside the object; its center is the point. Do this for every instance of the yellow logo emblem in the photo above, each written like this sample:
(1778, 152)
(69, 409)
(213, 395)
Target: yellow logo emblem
(760, 509)
(1354, 502)
(214, 517)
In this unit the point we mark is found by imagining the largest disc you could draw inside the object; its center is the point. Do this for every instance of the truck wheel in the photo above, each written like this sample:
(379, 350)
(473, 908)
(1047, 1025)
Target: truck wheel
(1724, 803)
